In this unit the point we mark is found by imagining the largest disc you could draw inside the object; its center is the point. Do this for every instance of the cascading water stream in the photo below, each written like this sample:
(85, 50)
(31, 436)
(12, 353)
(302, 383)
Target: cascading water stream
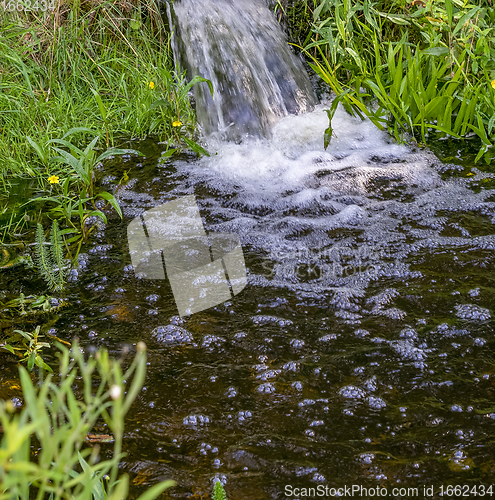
(241, 49)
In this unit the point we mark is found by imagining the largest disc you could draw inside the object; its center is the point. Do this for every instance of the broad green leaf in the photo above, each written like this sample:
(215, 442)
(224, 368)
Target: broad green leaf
(199, 79)
(196, 147)
(101, 106)
(464, 19)
(98, 213)
(76, 130)
(156, 490)
(436, 51)
(159, 102)
(112, 200)
(116, 151)
(75, 164)
(449, 9)
(39, 150)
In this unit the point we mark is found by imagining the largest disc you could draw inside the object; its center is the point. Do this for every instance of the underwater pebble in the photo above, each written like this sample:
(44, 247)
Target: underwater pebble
(361, 333)
(370, 384)
(316, 423)
(474, 292)
(328, 337)
(268, 374)
(307, 402)
(349, 317)
(297, 344)
(297, 386)
(409, 333)
(210, 340)
(479, 342)
(392, 313)
(274, 320)
(407, 350)
(231, 392)
(291, 366)
(243, 415)
(376, 403)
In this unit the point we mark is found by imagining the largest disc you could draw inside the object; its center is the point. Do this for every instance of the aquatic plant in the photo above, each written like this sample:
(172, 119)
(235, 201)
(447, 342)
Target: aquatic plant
(61, 419)
(51, 263)
(29, 348)
(218, 491)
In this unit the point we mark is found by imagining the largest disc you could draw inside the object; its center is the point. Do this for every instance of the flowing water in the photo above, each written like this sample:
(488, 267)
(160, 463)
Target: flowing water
(360, 351)
(242, 50)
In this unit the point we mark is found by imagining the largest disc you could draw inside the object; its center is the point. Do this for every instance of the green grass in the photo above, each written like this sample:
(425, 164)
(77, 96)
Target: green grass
(88, 66)
(411, 67)
(75, 82)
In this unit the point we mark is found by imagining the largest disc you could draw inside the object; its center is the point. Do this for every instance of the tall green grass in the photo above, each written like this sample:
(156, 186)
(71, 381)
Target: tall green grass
(411, 66)
(99, 65)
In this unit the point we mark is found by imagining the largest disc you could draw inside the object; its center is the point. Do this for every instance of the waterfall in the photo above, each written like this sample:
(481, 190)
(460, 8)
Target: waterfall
(240, 47)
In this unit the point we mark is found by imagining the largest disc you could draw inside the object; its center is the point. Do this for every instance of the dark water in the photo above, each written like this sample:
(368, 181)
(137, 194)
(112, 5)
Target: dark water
(361, 350)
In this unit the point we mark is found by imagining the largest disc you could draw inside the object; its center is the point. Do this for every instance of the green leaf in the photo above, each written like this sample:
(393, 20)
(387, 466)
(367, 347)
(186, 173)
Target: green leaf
(327, 137)
(98, 491)
(76, 130)
(436, 51)
(75, 164)
(395, 18)
(449, 9)
(67, 144)
(112, 200)
(169, 153)
(39, 150)
(196, 147)
(98, 213)
(9, 348)
(464, 19)
(31, 360)
(156, 490)
(159, 102)
(101, 106)
(199, 79)
(116, 151)
(41, 364)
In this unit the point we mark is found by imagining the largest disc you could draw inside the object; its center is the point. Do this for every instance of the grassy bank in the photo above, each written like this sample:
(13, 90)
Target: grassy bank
(74, 80)
(92, 64)
(412, 66)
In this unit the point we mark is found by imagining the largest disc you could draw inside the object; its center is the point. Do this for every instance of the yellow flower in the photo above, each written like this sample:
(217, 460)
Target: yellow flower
(493, 84)
(151, 85)
(177, 123)
(53, 179)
